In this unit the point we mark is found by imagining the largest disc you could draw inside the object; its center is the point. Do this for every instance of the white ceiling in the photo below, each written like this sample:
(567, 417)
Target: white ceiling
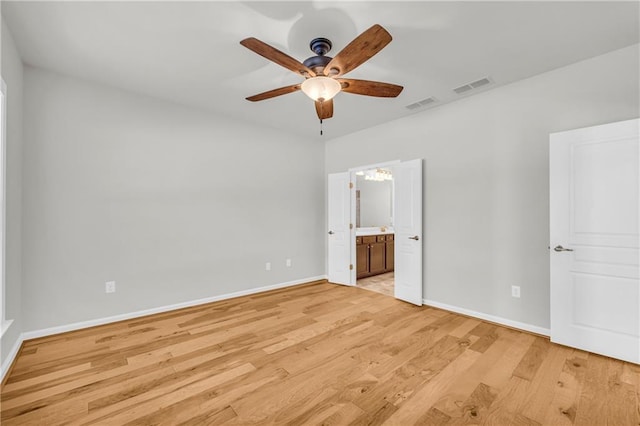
(189, 52)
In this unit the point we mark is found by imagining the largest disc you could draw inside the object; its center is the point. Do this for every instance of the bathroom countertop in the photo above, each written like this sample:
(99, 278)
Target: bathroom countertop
(373, 231)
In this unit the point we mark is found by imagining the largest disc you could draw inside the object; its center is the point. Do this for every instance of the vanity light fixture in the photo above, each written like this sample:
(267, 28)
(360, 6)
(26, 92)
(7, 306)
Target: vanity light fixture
(377, 175)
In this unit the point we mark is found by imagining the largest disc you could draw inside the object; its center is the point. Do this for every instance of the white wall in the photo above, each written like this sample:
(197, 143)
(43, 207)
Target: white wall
(12, 71)
(486, 184)
(174, 204)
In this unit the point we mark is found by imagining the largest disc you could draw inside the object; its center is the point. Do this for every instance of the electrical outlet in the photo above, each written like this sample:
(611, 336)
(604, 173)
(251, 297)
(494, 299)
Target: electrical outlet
(515, 291)
(110, 287)
(267, 266)
(288, 262)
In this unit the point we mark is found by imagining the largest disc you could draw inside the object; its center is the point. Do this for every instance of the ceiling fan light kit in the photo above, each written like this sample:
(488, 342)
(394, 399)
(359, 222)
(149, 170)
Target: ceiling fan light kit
(321, 89)
(321, 72)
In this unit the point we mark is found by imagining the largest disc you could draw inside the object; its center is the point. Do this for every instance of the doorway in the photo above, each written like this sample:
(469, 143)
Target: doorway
(374, 236)
(406, 246)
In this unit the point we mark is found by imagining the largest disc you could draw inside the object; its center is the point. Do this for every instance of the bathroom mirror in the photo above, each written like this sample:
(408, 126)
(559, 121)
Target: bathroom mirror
(374, 198)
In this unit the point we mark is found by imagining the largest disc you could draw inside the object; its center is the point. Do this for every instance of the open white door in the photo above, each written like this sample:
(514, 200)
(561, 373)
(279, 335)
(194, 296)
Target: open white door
(595, 286)
(407, 177)
(339, 233)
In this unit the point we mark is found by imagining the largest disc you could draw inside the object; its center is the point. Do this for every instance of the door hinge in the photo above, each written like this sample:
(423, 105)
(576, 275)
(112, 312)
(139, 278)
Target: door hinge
(351, 226)
(350, 185)
(351, 267)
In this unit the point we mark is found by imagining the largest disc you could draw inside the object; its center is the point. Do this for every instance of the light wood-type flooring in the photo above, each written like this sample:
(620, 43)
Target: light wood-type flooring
(382, 283)
(314, 354)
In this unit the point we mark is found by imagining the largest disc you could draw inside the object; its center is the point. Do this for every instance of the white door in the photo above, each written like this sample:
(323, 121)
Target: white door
(339, 232)
(407, 184)
(595, 286)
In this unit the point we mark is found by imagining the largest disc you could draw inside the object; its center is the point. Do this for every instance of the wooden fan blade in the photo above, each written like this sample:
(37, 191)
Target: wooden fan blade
(370, 88)
(358, 51)
(274, 55)
(324, 109)
(273, 93)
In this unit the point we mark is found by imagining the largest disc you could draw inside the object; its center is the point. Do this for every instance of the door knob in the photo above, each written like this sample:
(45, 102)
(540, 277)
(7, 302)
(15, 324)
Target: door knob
(560, 248)
(330, 232)
(415, 237)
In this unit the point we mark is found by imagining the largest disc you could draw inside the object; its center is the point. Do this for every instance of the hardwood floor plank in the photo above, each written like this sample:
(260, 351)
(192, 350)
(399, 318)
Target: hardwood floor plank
(497, 356)
(425, 339)
(426, 395)
(532, 360)
(143, 405)
(39, 415)
(313, 354)
(619, 395)
(498, 375)
(214, 417)
(486, 340)
(592, 407)
(465, 328)
(434, 417)
(296, 390)
(563, 406)
(475, 408)
(544, 383)
(376, 417)
(211, 401)
(631, 376)
(26, 368)
(508, 404)
(346, 414)
(44, 379)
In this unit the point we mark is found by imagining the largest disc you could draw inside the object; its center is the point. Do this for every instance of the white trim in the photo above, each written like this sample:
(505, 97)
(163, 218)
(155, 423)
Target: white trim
(487, 317)
(4, 368)
(4, 326)
(101, 321)
(3, 202)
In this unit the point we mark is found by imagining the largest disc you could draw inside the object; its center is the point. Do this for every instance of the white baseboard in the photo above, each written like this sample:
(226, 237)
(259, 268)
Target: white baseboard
(4, 368)
(101, 321)
(498, 320)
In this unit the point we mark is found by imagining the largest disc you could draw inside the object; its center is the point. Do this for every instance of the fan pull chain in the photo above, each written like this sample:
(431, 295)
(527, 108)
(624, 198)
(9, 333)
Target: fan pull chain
(321, 114)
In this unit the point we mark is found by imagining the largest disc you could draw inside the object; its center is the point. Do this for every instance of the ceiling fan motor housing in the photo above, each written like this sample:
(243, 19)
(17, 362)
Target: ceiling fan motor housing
(320, 46)
(317, 63)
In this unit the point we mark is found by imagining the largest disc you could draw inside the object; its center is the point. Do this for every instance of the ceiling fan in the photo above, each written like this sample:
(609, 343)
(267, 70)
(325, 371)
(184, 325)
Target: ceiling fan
(323, 74)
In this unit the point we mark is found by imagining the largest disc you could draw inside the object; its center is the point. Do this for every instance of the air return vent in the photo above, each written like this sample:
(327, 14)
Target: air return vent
(462, 89)
(480, 83)
(422, 103)
(473, 85)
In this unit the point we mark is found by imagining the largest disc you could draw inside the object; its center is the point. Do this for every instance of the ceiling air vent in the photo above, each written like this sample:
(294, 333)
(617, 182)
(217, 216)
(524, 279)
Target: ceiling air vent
(480, 83)
(473, 85)
(420, 104)
(462, 89)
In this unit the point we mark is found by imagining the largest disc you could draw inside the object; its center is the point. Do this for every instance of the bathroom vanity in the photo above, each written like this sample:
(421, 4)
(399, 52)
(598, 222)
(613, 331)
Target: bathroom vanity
(374, 253)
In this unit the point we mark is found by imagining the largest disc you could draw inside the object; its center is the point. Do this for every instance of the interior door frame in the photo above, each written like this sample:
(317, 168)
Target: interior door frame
(352, 236)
